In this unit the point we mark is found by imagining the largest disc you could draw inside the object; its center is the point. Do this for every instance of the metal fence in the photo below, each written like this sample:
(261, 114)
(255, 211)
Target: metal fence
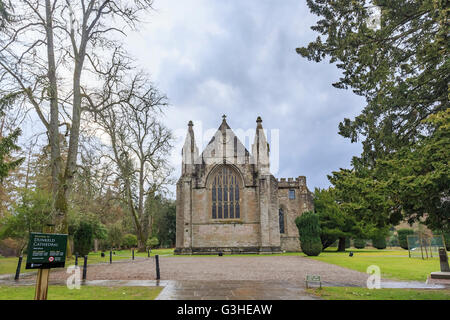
(425, 246)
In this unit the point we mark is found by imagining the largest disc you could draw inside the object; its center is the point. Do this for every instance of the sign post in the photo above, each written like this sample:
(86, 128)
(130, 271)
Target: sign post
(45, 251)
(42, 284)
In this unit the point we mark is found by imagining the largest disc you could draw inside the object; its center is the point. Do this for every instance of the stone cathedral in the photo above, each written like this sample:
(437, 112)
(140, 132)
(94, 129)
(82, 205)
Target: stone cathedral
(228, 201)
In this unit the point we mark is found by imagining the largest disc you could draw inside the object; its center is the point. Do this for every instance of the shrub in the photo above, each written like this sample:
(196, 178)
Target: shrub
(309, 232)
(379, 242)
(129, 241)
(402, 237)
(83, 238)
(152, 242)
(360, 243)
(393, 241)
(10, 247)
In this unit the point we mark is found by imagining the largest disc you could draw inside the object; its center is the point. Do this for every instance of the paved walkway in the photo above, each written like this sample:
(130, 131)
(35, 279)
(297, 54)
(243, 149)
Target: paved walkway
(240, 268)
(223, 278)
(200, 290)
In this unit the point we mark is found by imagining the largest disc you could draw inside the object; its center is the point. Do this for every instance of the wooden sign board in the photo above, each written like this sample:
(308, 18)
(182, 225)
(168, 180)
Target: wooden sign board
(46, 250)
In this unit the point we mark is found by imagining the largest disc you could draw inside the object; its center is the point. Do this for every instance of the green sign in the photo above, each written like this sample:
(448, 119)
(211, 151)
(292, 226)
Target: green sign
(46, 250)
(313, 278)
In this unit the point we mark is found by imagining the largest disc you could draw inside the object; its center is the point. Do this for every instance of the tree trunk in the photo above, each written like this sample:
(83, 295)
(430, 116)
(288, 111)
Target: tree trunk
(53, 130)
(341, 245)
(142, 247)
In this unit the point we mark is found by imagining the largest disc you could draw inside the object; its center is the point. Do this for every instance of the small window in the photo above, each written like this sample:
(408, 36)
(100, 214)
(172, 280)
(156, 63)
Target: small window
(281, 220)
(291, 194)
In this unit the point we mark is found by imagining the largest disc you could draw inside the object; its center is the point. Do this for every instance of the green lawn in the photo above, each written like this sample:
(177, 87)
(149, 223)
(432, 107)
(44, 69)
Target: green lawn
(350, 293)
(9, 265)
(394, 264)
(85, 293)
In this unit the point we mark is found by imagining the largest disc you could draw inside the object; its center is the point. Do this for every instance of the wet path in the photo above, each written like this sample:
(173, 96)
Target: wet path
(233, 290)
(223, 289)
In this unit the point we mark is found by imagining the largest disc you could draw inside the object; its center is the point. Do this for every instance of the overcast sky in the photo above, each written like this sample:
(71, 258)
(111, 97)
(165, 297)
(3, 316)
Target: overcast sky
(238, 58)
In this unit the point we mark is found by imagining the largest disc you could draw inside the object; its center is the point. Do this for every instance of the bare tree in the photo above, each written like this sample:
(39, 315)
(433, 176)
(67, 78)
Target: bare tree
(54, 55)
(140, 145)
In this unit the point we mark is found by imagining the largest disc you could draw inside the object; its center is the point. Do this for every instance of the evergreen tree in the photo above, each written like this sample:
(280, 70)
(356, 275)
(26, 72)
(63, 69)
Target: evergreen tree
(335, 223)
(401, 67)
(7, 146)
(309, 231)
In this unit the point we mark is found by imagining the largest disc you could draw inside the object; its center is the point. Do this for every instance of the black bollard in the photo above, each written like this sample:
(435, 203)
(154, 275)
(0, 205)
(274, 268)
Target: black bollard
(148, 253)
(76, 259)
(110, 257)
(19, 265)
(132, 254)
(85, 268)
(157, 267)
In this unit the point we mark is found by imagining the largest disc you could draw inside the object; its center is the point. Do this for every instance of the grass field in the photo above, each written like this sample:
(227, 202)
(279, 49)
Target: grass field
(85, 293)
(347, 293)
(394, 264)
(9, 265)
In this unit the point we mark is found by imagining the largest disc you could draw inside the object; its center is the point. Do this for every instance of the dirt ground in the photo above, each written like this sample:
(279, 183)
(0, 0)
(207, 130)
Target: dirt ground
(277, 268)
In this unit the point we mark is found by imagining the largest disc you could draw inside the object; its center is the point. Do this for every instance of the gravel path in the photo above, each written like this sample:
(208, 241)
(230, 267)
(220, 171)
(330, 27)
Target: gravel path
(287, 268)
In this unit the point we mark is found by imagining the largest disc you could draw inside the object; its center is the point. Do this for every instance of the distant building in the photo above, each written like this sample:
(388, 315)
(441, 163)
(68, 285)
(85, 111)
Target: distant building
(228, 201)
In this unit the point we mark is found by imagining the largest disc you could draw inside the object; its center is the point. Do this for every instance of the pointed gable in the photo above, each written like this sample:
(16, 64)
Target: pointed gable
(225, 146)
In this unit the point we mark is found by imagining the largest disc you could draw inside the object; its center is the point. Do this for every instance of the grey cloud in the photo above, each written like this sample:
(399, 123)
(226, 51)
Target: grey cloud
(248, 48)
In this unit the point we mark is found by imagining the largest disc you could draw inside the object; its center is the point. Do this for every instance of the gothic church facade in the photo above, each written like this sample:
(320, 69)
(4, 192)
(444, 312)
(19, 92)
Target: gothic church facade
(228, 201)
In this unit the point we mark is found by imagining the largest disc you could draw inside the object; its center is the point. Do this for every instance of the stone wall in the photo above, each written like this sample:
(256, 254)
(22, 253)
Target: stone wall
(292, 209)
(261, 195)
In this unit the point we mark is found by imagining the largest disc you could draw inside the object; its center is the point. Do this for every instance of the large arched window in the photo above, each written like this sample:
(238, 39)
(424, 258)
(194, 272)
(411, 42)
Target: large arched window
(225, 194)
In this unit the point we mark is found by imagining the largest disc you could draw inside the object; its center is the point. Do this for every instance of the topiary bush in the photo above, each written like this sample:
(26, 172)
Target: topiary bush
(129, 241)
(359, 243)
(83, 238)
(379, 242)
(152, 242)
(402, 237)
(309, 231)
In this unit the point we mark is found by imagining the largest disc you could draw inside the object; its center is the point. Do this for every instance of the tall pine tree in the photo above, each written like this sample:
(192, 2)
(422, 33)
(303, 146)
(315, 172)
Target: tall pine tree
(401, 66)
